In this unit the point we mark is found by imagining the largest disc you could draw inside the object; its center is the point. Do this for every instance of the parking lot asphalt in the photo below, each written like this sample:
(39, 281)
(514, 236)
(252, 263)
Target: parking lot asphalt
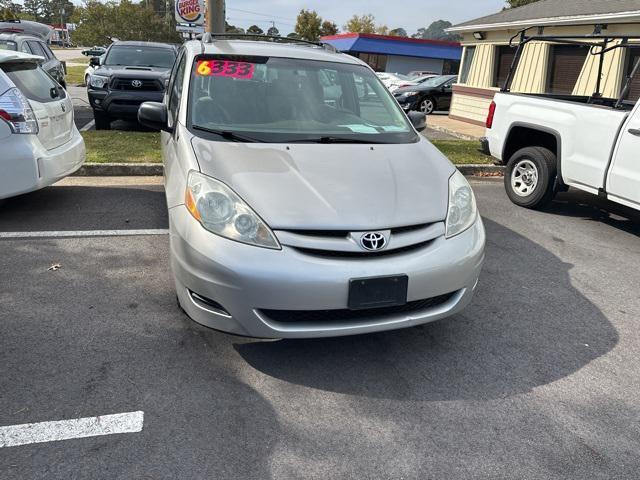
(538, 379)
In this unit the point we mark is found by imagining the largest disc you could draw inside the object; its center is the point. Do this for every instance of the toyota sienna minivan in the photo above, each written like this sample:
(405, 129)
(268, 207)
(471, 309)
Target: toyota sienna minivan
(302, 200)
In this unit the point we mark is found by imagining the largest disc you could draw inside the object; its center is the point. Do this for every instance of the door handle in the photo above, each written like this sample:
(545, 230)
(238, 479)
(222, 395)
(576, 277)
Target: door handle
(635, 131)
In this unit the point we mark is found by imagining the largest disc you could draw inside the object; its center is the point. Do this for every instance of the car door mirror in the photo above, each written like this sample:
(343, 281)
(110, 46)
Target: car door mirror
(154, 115)
(94, 61)
(418, 120)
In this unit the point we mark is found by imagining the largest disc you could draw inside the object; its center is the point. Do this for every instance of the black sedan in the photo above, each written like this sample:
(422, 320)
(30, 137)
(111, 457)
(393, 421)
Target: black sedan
(429, 96)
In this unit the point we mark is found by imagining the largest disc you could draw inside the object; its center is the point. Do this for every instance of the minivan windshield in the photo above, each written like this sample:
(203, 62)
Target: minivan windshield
(285, 100)
(140, 56)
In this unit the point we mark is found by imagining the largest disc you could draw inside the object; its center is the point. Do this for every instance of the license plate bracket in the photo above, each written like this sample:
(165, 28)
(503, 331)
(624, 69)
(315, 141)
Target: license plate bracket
(378, 292)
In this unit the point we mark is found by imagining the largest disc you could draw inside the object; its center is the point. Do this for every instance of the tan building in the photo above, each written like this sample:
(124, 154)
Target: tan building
(544, 67)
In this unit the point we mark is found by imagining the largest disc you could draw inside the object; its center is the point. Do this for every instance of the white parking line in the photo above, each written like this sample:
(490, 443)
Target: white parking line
(88, 126)
(84, 233)
(27, 433)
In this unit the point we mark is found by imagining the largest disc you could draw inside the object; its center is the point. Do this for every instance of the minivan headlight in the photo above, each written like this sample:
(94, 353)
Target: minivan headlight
(462, 211)
(220, 211)
(98, 81)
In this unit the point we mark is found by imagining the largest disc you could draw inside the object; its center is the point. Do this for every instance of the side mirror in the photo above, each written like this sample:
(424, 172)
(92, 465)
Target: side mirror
(94, 61)
(154, 115)
(418, 120)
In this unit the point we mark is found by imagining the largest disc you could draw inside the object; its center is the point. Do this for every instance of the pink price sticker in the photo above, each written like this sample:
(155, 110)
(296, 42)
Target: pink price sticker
(225, 68)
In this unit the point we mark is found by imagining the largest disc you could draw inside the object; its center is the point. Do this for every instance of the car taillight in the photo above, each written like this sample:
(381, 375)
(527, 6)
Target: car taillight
(16, 111)
(492, 112)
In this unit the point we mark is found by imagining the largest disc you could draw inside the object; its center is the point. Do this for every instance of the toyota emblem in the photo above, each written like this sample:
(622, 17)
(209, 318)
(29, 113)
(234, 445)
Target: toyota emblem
(136, 83)
(373, 241)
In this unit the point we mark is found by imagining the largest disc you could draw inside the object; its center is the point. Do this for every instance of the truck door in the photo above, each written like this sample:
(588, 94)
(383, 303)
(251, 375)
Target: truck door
(623, 182)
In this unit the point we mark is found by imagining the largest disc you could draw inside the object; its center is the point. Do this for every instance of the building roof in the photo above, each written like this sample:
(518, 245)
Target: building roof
(386, 45)
(554, 12)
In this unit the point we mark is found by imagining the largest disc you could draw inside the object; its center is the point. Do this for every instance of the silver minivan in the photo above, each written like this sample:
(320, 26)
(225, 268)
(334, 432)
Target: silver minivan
(302, 200)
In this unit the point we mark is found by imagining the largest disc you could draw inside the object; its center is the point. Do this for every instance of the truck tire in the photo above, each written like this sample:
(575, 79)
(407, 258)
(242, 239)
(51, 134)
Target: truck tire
(530, 175)
(103, 122)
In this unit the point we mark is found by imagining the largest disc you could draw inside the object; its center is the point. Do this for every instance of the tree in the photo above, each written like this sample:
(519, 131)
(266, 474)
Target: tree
(398, 32)
(35, 8)
(273, 31)
(308, 25)
(519, 3)
(328, 28)
(362, 24)
(436, 31)
(255, 30)
(233, 29)
(99, 22)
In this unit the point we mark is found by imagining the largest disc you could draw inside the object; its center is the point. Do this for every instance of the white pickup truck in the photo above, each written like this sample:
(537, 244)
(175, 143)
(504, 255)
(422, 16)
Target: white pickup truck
(551, 142)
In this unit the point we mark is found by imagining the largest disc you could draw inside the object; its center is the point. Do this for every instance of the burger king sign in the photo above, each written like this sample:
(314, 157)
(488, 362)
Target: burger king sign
(190, 11)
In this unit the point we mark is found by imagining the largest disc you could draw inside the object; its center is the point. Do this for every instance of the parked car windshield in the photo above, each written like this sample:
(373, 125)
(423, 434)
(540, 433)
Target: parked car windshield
(270, 99)
(8, 45)
(140, 56)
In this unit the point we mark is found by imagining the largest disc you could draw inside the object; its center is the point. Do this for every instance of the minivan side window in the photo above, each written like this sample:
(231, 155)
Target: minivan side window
(36, 48)
(47, 51)
(176, 88)
(25, 48)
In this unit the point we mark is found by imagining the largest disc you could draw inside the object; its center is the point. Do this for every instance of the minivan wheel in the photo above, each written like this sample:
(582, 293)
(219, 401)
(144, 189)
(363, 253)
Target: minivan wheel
(103, 122)
(530, 176)
(427, 106)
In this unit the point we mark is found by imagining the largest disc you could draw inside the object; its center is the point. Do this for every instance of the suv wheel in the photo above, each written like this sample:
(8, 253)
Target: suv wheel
(427, 106)
(530, 176)
(103, 122)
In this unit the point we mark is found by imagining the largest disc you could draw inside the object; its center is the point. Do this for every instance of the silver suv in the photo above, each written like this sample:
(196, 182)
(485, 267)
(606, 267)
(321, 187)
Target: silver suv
(302, 200)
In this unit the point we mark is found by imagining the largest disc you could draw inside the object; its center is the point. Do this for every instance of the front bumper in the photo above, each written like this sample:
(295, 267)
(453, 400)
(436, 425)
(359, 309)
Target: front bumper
(408, 103)
(121, 103)
(27, 166)
(247, 280)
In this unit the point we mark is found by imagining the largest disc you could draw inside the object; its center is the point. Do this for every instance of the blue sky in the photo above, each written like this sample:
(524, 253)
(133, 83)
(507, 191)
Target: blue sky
(409, 14)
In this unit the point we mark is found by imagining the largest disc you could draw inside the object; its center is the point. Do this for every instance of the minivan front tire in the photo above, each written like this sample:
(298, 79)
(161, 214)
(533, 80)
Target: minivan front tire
(530, 176)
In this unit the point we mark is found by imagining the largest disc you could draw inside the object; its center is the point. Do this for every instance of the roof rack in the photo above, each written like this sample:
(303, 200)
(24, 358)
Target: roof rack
(599, 44)
(212, 37)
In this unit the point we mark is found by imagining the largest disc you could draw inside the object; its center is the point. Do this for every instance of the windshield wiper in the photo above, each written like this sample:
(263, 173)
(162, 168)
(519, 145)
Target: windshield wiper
(330, 139)
(228, 134)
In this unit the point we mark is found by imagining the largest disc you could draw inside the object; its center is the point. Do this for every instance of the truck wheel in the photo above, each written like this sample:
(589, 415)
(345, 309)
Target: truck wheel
(103, 122)
(530, 176)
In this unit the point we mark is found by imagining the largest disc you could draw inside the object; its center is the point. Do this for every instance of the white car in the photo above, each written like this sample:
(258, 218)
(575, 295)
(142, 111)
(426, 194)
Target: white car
(394, 81)
(90, 69)
(40, 142)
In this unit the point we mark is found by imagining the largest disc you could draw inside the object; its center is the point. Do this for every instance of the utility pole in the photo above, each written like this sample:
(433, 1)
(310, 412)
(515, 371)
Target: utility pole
(216, 16)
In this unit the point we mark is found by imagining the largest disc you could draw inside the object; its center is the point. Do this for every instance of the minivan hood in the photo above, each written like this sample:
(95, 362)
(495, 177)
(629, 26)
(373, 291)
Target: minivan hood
(333, 187)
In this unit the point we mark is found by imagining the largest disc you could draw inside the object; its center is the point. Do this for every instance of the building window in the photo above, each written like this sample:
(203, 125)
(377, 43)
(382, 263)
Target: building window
(467, 60)
(450, 67)
(504, 59)
(565, 65)
(633, 55)
(375, 61)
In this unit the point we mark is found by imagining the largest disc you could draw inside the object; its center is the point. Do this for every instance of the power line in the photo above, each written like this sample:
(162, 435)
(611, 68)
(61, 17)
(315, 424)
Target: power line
(260, 14)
